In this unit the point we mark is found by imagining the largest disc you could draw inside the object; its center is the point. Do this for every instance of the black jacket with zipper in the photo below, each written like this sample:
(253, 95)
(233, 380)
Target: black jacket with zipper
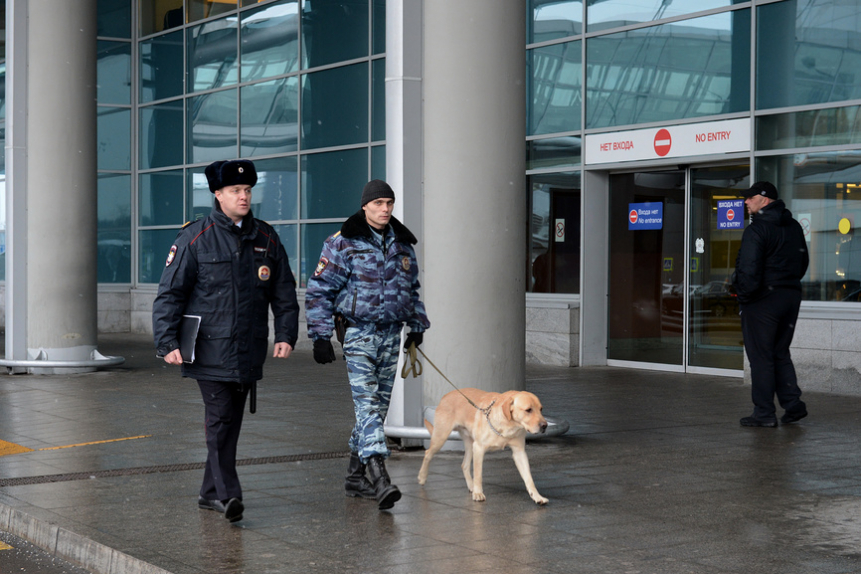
(773, 254)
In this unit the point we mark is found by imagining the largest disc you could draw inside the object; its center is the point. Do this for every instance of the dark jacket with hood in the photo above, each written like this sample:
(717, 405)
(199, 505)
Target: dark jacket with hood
(773, 254)
(230, 276)
(366, 276)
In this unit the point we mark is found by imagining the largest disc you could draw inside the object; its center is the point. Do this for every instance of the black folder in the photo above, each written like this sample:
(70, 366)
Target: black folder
(188, 329)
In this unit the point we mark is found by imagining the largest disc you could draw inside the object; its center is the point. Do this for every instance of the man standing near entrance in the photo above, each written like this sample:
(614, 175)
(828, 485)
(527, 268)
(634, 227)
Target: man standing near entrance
(771, 262)
(367, 280)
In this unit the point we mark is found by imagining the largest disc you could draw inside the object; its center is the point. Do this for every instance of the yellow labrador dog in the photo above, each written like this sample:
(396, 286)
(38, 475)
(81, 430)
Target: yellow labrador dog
(510, 416)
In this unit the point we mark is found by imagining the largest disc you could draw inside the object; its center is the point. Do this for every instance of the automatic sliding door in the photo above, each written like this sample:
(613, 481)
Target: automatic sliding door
(647, 268)
(717, 223)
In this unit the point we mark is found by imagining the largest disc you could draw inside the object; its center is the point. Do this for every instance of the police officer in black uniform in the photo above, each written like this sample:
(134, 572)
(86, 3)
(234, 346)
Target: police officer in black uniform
(228, 268)
(771, 261)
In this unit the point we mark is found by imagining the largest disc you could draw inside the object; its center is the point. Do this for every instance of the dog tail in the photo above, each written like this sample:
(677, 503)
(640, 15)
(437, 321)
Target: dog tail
(428, 426)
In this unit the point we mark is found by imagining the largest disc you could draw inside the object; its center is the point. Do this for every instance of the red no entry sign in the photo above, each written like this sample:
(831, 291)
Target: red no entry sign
(633, 216)
(730, 214)
(663, 142)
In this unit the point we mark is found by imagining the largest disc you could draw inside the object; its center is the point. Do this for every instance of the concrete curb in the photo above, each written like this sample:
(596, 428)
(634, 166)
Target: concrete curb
(77, 549)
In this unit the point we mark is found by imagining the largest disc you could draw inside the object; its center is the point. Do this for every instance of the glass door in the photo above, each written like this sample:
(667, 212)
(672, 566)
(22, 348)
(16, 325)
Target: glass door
(647, 268)
(717, 221)
(674, 236)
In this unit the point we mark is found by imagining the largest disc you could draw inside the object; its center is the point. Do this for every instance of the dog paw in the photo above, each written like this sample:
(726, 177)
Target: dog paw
(539, 499)
(422, 480)
(478, 496)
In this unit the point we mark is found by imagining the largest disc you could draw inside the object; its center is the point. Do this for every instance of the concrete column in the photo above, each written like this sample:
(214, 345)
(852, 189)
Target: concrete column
(474, 194)
(404, 159)
(61, 177)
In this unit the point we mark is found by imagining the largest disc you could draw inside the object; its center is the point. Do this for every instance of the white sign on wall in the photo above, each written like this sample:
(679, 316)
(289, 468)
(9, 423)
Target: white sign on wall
(726, 136)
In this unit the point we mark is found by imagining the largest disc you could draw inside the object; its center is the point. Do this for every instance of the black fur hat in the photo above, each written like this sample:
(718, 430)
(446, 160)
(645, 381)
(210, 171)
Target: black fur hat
(234, 172)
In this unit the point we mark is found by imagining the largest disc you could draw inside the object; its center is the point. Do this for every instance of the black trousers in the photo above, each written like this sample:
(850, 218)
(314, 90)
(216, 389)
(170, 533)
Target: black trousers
(225, 405)
(768, 326)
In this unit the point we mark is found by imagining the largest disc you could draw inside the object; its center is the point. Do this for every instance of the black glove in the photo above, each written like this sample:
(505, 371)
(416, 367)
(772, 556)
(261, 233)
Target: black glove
(323, 351)
(413, 337)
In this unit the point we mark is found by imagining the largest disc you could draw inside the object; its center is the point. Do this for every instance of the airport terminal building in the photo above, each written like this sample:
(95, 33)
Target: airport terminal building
(573, 169)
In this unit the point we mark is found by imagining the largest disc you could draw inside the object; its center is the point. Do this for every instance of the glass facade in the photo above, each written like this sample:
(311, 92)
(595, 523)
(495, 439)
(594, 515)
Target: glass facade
(605, 65)
(263, 81)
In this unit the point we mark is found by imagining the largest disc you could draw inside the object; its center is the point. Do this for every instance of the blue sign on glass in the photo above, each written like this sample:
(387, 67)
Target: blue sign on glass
(730, 214)
(648, 215)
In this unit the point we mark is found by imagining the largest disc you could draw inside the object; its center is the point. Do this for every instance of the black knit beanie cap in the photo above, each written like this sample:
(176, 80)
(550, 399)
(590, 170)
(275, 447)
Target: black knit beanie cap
(375, 189)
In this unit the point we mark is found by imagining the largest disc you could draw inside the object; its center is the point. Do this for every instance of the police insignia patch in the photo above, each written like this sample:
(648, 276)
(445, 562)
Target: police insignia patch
(264, 273)
(171, 255)
(321, 266)
(405, 262)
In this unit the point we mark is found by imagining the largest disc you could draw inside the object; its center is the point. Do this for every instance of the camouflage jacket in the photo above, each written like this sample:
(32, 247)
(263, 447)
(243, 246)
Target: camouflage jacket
(365, 281)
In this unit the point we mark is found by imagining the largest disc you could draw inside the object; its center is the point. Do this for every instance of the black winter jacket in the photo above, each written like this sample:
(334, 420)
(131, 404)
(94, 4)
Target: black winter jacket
(229, 276)
(773, 254)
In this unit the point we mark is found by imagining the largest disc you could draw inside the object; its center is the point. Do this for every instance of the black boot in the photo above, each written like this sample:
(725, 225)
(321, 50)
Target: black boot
(387, 494)
(356, 483)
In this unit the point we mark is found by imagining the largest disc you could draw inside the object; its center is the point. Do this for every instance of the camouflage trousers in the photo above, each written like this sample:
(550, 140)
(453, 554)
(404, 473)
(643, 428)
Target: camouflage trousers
(372, 361)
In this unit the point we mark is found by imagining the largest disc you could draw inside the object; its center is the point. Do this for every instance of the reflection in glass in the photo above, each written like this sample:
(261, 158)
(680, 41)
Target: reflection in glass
(200, 9)
(346, 20)
(808, 53)
(332, 183)
(555, 88)
(160, 198)
(154, 247)
(158, 15)
(553, 152)
(554, 259)
(378, 162)
(379, 26)
(161, 135)
(114, 19)
(604, 14)
(161, 67)
(276, 195)
(552, 19)
(378, 99)
(270, 120)
(823, 191)
(832, 126)
(335, 106)
(289, 235)
(114, 229)
(114, 138)
(643, 324)
(199, 198)
(685, 69)
(313, 236)
(114, 60)
(212, 55)
(212, 129)
(714, 333)
(269, 39)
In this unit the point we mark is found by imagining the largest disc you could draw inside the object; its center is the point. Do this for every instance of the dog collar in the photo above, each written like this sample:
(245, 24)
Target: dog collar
(487, 416)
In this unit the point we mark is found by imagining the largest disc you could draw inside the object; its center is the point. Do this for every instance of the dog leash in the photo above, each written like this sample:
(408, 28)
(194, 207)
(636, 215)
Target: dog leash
(414, 366)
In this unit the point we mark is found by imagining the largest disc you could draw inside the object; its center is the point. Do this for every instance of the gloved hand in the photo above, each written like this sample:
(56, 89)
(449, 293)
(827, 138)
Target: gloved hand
(323, 351)
(413, 337)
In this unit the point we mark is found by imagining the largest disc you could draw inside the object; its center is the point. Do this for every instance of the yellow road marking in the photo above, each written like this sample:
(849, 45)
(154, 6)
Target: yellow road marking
(96, 442)
(4, 546)
(12, 448)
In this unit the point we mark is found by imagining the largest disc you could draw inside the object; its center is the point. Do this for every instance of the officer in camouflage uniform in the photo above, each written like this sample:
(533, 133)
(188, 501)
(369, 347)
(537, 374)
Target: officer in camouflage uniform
(368, 275)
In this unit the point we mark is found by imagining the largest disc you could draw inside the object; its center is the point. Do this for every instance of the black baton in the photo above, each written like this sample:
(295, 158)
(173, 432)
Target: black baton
(253, 406)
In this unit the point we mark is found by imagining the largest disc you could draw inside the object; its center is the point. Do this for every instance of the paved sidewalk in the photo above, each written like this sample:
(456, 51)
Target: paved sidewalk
(655, 476)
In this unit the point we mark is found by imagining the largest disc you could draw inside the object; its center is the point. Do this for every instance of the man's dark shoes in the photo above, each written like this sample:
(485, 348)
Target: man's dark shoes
(789, 418)
(754, 422)
(356, 483)
(232, 511)
(387, 494)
